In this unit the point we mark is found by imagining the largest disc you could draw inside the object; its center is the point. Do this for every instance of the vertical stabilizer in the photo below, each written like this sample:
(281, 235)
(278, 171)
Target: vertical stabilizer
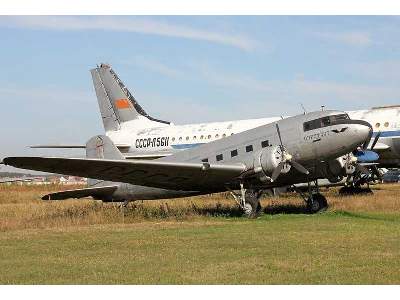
(101, 146)
(117, 105)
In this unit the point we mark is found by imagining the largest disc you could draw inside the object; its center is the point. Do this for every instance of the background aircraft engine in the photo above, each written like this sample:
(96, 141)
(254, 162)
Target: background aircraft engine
(267, 161)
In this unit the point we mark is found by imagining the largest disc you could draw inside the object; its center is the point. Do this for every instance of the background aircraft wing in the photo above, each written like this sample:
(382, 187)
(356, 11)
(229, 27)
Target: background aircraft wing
(381, 146)
(168, 175)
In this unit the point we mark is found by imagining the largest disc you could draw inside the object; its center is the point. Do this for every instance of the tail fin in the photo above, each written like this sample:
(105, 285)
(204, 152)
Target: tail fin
(116, 103)
(101, 146)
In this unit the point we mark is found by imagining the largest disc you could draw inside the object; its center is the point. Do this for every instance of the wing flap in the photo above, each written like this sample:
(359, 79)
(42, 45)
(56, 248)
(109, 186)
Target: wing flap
(160, 174)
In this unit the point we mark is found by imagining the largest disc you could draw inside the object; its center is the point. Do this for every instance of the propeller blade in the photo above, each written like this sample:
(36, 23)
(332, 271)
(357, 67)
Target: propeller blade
(277, 171)
(279, 134)
(366, 143)
(376, 140)
(362, 169)
(299, 167)
(376, 172)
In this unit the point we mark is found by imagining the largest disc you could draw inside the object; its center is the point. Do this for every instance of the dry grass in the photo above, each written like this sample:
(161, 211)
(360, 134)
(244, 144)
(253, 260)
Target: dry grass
(22, 208)
(176, 242)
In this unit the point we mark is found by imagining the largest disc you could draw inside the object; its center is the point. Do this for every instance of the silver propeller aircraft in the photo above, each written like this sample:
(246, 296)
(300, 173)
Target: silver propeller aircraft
(297, 149)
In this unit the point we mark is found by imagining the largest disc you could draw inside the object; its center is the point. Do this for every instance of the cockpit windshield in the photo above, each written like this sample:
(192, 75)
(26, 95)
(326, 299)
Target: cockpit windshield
(324, 121)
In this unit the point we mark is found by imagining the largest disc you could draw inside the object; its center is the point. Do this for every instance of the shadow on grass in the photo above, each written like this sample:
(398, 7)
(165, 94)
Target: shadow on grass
(284, 209)
(217, 210)
(223, 211)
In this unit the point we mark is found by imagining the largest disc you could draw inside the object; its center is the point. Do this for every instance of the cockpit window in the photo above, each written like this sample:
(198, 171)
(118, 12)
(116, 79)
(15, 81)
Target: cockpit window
(340, 117)
(324, 122)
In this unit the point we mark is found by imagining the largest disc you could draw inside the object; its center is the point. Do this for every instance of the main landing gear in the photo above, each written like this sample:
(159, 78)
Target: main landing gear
(249, 201)
(315, 201)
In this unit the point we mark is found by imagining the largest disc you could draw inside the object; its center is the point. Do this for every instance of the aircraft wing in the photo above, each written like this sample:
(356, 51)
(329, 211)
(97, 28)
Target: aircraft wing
(160, 174)
(381, 146)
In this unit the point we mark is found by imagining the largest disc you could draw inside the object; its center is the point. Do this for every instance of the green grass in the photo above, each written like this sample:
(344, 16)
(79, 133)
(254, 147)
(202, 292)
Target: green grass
(331, 248)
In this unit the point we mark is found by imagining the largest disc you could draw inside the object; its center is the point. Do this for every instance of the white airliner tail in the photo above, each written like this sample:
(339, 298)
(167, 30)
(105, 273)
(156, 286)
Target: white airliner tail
(117, 105)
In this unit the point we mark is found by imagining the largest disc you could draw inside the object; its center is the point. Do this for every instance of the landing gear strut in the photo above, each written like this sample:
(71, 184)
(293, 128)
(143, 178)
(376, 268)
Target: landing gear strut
(249, 201)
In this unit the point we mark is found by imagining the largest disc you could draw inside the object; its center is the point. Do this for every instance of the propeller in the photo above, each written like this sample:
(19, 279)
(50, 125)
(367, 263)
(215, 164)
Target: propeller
(376, 140)
(366, 143)
(286, 159)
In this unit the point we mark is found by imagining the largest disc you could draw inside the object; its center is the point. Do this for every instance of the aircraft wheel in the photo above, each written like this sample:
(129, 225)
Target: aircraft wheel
(252, 207)
(317, 203)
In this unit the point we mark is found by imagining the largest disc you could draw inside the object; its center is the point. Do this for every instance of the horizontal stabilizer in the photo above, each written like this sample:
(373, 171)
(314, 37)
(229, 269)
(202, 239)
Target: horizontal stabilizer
(121, 147)
(181, 176)
(57, 146)
(102, 192)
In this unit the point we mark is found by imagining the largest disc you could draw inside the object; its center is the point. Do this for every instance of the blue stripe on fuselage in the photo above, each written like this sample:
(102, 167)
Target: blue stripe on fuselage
(185, 146)
(394, 133)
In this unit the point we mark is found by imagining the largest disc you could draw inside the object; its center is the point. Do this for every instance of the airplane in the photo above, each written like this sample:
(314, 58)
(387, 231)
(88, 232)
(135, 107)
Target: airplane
(140, 136)
(296, 149)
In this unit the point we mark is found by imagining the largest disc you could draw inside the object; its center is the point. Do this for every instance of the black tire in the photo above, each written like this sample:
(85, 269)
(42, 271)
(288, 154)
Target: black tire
(317, 204)
(252, 199)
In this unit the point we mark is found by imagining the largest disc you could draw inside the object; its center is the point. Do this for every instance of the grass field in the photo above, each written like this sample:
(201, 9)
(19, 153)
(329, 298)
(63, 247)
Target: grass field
(198, 240)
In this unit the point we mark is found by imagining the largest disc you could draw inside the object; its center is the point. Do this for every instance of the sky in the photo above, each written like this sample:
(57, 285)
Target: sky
(188, 69)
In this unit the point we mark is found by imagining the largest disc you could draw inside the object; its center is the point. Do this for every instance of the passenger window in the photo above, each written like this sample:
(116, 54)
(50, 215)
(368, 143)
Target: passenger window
(386, 124)
(216, 136)
(209, 137)
(249, 148)
(377, 125)
(219, 157)
(224, 135)
(201, 137)
(187, 138)
(194, 137)
(234, 153)
(264, 144)
(205, 160)
(173, 139)
(180, 138)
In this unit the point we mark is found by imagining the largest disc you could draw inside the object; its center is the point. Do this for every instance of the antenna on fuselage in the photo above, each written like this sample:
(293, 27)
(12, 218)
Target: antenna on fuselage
(302, 106)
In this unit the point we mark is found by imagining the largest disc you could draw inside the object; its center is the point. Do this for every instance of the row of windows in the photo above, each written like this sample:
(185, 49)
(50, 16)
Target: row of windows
(249, 148)
(377, 125)
(202, 137)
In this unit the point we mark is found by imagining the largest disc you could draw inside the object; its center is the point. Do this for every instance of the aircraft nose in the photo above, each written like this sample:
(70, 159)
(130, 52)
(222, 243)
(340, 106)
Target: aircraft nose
(363, 131)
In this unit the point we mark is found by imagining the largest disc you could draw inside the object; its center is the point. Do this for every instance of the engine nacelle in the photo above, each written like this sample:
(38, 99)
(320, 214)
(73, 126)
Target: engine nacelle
(335, 169)
(267, 160)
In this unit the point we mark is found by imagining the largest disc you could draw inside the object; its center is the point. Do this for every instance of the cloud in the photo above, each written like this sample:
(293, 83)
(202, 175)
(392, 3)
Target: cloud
(132, 24)
(273, 94)
(154, 66)
(351, 38)
(385, 70)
